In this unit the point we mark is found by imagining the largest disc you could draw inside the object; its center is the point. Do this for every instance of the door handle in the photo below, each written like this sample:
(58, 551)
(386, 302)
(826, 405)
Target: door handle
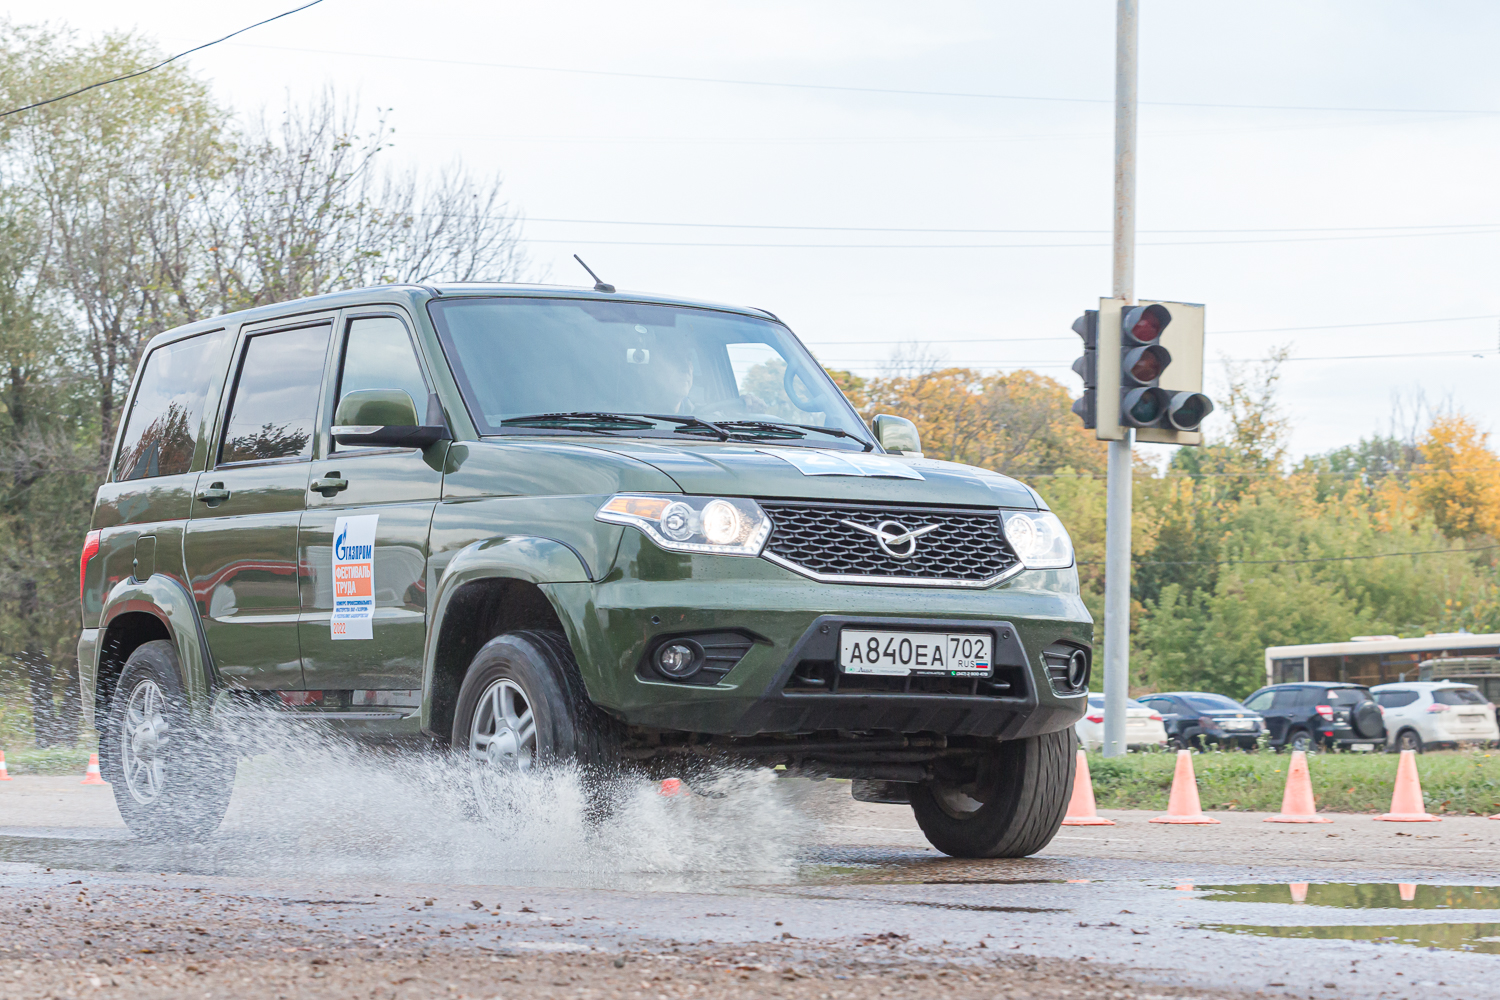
(329, 485)
(214, 495)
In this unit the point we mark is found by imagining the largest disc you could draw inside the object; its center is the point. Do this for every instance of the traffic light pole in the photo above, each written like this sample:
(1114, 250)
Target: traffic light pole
(1117, 513)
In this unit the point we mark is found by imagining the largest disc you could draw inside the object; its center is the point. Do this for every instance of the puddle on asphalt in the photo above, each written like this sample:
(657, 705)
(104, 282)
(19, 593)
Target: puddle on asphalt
(1362, 895)
(1477, 938)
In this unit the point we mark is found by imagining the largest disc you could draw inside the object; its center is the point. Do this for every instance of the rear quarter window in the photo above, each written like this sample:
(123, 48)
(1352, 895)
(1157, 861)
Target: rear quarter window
(1457, 696)
(165, 420)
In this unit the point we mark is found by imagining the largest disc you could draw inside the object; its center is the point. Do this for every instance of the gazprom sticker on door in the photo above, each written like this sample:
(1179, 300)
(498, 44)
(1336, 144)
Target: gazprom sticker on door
(353, 577)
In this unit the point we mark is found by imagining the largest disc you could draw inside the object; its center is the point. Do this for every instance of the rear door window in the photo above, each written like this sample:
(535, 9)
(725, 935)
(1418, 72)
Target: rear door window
(1457, 696)
(1395, 699)
(275, 405)
(162, 430)
(1288, 698)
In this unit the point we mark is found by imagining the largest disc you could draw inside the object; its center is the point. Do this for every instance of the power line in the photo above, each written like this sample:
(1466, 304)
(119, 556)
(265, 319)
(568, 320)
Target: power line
(896, 229)
(728, 81)
(1211, 333)
(1048, 363)
(998, 246)
(1289, 562)
(148, 69)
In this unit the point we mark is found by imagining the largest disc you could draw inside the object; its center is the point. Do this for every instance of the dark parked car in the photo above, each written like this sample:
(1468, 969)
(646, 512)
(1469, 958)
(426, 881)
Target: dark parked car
(1196, 718)
(1320, 714)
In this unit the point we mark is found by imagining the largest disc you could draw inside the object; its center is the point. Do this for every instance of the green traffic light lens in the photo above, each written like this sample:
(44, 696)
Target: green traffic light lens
(1146, 409)
(1191, 414)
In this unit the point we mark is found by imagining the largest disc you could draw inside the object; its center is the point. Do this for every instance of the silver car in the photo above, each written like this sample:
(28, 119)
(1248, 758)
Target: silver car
(1143, 725)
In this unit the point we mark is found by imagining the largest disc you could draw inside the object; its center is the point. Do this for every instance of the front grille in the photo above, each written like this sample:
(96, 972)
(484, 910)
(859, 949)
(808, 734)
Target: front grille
(966, 549)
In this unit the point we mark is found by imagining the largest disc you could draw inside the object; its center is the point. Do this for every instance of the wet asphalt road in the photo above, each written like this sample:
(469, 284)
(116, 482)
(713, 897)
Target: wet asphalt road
(790, 873)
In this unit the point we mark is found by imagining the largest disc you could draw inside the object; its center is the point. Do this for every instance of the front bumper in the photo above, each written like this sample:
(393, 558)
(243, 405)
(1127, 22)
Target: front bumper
(794, 620)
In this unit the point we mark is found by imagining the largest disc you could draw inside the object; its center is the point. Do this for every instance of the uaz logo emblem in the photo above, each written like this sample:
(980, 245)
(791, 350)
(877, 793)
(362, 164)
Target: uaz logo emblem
(894, 538)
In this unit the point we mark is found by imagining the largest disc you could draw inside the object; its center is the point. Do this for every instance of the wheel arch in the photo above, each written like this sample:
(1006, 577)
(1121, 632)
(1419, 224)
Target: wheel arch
(491, 587)
(140, 611)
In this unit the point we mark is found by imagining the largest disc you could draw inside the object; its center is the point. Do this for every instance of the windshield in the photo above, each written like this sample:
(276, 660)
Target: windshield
(1212, 702)
(586, 363)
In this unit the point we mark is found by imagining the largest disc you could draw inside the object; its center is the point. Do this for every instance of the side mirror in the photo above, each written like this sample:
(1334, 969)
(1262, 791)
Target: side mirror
(386, 417)
(898, 435)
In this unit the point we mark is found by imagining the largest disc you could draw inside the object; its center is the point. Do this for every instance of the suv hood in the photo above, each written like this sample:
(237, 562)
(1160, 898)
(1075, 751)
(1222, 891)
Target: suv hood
(752, 470)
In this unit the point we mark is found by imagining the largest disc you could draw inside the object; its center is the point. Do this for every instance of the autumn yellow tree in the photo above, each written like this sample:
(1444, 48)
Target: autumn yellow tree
(1459, 481)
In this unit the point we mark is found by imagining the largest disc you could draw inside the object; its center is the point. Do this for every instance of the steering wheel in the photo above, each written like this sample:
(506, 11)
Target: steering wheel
(789, 383)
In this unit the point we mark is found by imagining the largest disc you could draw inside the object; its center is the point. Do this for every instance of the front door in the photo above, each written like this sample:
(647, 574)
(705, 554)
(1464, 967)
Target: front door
(383, 497)
(240, 549)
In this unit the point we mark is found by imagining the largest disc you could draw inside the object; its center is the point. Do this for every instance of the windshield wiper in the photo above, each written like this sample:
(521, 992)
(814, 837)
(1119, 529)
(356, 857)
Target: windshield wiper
(690, 425)
(595, 421)
(771, 425)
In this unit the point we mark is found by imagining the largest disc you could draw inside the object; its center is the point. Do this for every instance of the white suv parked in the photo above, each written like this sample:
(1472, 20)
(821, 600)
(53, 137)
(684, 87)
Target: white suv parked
(1419, 714)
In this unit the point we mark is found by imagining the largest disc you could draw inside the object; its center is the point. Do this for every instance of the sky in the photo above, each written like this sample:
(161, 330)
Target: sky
(1321, 175)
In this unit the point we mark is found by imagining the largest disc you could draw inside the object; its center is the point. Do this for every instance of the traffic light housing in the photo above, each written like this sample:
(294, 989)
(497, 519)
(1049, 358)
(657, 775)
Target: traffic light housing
(1146, 363)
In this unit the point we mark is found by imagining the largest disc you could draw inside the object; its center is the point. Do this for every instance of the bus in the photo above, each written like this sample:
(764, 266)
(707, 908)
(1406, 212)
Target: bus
(1381, 659)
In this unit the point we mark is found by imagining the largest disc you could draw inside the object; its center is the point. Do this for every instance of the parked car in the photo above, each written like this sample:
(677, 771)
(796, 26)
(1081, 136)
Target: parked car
(1302, 716)
(1483, 672)
(545, 526)
(1143, 726)
(1420, 714)
(1196, 718)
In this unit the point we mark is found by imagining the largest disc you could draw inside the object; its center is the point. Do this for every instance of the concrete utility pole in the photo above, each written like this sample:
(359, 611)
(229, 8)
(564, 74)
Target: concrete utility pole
(1117, 514)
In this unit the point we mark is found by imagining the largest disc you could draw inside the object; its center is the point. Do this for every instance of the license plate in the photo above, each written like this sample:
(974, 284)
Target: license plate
(1362, 746)
(897, 654)
(1239, 723)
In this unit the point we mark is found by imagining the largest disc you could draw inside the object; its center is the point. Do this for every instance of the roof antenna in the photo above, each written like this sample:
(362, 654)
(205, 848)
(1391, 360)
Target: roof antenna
(599, 286)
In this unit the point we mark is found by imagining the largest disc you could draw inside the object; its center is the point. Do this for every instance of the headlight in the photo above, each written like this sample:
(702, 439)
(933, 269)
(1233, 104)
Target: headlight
(730, 526)
(1039, 538)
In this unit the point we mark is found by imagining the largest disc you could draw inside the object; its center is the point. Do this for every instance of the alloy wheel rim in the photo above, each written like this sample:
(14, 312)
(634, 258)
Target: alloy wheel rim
(503, 734)
(144, 742)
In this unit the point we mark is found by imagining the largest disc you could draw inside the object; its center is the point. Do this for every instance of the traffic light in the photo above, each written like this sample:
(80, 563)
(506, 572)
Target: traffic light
(1087, 367)
(1153, 353)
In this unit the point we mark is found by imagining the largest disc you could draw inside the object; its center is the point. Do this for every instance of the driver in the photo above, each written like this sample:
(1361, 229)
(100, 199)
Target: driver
(674, 375)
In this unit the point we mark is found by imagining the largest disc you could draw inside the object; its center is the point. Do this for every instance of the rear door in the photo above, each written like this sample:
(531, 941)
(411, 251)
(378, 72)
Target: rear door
(240, 547)
(383, 497)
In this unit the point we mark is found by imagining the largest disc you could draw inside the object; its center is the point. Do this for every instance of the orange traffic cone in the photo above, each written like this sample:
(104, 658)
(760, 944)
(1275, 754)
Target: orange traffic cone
(4, 774)
(1408, 891)
(1299, 891)
(91, 776)
(1081, 810)
(1297, 801)
(671, 787)
(1406, 799)
(1183, 805)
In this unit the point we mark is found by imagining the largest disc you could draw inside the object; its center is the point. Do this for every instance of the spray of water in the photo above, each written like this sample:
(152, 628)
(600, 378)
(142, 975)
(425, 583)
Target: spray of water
(309, 801)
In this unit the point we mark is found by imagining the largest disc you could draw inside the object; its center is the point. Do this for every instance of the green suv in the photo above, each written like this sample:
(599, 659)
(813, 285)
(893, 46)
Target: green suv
(554, 526)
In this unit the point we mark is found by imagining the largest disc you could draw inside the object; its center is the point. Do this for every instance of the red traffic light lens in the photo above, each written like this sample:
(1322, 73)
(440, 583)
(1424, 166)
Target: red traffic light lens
(1144, 324)
(1147, 368)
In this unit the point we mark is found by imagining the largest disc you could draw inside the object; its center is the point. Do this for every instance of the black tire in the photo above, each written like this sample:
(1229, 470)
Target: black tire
(1408, 739)
(565, 726)
(1299, 739)
(1010, 806)
(171, 778)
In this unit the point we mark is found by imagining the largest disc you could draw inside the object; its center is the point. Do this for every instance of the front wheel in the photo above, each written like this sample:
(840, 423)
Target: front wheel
(1008, 804)
(522, 707)
(171, 779)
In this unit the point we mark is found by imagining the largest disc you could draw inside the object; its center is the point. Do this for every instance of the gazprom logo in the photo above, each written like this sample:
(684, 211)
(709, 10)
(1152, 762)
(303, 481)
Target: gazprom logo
(346, 553)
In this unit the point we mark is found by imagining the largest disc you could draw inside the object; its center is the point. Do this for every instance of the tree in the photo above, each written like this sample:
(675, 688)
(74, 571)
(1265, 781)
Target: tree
(1459, 484)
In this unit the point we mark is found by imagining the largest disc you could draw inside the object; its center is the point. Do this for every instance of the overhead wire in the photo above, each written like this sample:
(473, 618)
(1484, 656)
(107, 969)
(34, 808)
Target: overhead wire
(156, 66)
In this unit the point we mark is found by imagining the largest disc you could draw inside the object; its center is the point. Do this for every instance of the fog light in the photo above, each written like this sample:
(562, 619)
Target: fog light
(680, 659)
(1078, 670)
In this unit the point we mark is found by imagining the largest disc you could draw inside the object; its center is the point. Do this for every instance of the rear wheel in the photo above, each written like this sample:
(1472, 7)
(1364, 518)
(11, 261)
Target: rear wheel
(171, 779)
(1299, 739)
(1010, 804)
(1408, 739)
